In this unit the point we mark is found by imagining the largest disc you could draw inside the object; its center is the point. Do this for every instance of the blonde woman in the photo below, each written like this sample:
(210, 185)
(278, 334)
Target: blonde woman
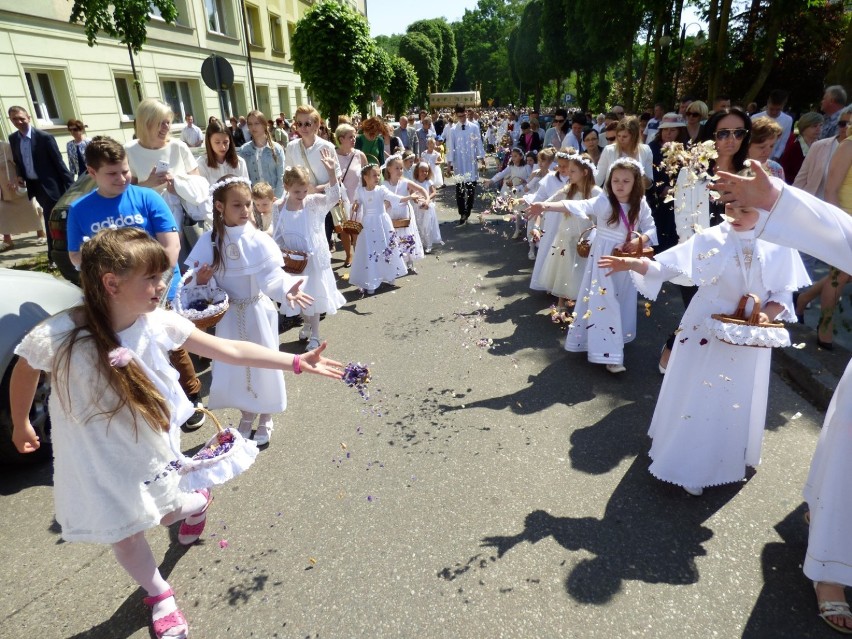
(626, 144)
(264, 157)
(351, 161)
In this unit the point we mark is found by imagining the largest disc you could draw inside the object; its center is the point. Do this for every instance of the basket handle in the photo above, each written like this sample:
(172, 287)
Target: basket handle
(641, 248)
(585, 233)
(754, 318)
(216, 422)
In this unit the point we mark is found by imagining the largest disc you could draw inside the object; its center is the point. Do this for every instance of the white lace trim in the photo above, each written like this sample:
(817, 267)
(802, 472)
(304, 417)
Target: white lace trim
(216, 298)
(204, 473)
(744, 335)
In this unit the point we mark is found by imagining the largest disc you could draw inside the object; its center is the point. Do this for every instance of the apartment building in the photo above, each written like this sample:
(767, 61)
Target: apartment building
(47, 66)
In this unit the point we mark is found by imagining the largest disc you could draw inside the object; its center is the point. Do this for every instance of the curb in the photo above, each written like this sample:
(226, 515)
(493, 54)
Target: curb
(807, 369)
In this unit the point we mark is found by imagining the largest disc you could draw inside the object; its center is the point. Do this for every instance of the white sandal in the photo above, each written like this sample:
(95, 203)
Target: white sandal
(834, 609)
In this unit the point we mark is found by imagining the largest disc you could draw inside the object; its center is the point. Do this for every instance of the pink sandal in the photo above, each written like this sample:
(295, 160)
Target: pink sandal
(188, 534)
(170, 621)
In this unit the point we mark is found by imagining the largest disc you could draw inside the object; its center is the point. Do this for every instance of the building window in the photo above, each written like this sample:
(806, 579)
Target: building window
(128, 99)
(255, 33)
(178, 95)
(44, 94)
(291, 29)
(276, 35)
(263, 104)
(236, 100)
(217, 21)
(182, 13)
(284, 100)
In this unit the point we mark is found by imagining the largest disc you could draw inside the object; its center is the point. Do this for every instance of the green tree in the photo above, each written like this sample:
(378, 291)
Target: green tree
(423, 56)
(332, 52)
(378, 78)
(402, 87)
(441, 35)
(390, 43)
(527, 53)
(125, 20)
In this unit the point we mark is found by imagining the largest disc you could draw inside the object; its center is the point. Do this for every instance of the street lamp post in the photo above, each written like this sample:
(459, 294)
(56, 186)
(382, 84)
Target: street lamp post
(699, 40)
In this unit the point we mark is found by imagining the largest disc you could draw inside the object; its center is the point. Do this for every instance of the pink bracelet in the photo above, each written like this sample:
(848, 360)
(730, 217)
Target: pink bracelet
(297, 364)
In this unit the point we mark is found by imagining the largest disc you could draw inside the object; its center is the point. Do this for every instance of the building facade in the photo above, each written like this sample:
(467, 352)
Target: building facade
(47, 66)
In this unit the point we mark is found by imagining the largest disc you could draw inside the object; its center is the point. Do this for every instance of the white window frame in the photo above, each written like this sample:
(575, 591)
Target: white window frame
(127, 78)
(35, 79)
(284, 100)
(276, 28)
(216, 16)
(182, 13)
(183, 93)
(255, 25)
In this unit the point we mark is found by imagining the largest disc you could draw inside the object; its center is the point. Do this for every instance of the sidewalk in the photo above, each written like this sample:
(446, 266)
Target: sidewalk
(25, 250)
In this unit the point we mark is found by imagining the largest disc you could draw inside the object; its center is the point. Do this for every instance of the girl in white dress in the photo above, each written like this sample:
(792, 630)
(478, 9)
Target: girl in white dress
(558, 268)
(435, 160)
(710, 415)
(545, 222)
(117, 407)
(427, 219)
(247, 264)
(300, 226)
(400, 186)
(377, 258)
(513, 178)
(605, 317)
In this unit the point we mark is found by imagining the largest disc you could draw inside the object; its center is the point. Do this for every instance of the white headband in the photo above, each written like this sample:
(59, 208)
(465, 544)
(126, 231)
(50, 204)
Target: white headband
(576, 157)
(623, 162)
(228, 181)
(388, 160)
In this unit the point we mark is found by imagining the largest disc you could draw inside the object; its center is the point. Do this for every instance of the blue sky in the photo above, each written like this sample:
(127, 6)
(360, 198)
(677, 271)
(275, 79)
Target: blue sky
(387, 17)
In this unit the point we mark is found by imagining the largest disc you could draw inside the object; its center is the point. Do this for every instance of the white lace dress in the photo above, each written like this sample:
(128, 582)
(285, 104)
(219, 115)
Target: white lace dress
(375, 260)
(304, 230)
(251, 273)
(401, 211)
(427, 220)
(110, 480)
(710, 415)
(558, 269)
(606, 306)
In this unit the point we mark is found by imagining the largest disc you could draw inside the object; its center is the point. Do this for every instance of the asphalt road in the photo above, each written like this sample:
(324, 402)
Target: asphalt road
(486, 489)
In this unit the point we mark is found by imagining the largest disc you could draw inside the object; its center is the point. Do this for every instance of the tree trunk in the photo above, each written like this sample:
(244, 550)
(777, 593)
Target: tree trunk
(712, 38)
(720, 47)
(628, 80)
(841, 70)
(769, 53)
(657, 26)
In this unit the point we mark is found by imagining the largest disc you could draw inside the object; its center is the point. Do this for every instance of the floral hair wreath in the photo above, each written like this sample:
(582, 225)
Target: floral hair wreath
(227, 182)
(389, 159)
(367, 167)
(576, 157)
(625, 162)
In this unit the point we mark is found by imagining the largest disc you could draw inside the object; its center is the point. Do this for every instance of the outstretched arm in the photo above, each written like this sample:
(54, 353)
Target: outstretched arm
(22, 391)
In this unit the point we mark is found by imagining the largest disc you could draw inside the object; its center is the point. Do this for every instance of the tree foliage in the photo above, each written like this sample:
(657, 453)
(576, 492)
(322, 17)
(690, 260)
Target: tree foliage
(377, 79)
(390, 43)
(441, 35)
(332, 52)
(402, 87)
(418, 49)
(125, 20)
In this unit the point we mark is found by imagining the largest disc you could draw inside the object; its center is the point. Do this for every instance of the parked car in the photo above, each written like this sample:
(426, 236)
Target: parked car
(28, 298)
(58, 224)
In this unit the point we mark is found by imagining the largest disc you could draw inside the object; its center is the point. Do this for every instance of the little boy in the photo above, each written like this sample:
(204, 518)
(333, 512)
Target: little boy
(263, 198)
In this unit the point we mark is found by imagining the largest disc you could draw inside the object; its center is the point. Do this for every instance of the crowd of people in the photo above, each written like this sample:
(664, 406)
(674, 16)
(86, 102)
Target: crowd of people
(261, 213)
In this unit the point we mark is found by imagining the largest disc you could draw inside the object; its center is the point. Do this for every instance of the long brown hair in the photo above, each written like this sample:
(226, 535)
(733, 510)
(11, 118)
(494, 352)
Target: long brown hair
(123, 251)
(584, 189)
(636, 193)
(269, 141)
(215, 125)
(217, 236)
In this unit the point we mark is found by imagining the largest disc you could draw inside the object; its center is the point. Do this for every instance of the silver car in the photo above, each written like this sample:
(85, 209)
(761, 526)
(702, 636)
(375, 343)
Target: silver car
(28, 298)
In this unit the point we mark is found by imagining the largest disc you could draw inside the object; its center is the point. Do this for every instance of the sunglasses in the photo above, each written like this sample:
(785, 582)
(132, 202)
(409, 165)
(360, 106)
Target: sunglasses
(558, 120)
(724, 134)
(691, 114)
(610, 139)
(843, 123)
(303, 125)
(74, 129)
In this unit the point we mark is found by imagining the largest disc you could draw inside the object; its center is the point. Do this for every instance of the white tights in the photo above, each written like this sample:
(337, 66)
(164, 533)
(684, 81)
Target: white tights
(314, 322)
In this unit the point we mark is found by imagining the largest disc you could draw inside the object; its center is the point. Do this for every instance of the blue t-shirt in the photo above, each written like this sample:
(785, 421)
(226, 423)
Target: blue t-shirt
(137, 206)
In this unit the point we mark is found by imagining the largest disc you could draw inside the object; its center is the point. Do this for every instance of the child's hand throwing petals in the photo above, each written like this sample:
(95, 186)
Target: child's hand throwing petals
(621, 264)
(314, 362)
(203, 274)
(535, 234)
(535, 209)
(296, 296)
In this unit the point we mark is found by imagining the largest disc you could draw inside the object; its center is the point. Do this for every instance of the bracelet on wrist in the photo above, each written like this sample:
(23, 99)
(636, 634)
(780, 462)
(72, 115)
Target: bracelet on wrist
(297, 364)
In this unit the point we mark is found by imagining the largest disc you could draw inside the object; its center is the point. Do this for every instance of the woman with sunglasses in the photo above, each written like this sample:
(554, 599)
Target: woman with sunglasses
(696, 114)
(264, 157)
(591, 142)
(729, 130)
(76, 147)
(556, 133)
(307, 152)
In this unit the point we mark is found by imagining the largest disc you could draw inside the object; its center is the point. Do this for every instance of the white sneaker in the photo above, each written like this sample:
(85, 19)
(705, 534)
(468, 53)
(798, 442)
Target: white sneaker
(312, 344)
(531, 254)
(263, 433)
(304, 333)
(615, 368)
